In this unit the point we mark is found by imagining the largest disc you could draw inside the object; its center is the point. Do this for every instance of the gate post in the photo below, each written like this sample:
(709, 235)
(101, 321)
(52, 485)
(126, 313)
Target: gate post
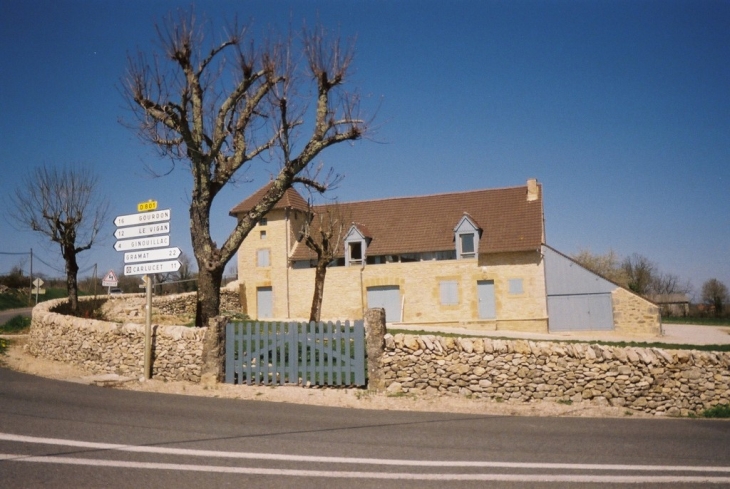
(375, 346)
(214, 351)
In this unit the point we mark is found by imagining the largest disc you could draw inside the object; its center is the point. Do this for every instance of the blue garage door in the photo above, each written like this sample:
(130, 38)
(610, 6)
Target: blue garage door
(387, 297)
(592, 312)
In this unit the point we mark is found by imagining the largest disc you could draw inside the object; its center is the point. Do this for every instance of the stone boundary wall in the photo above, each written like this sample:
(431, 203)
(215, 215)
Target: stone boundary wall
(184, 304)
(103, 347)
(657, 381)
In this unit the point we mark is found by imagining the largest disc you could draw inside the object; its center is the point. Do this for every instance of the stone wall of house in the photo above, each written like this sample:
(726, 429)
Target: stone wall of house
(118, 347)
(632, 314)
(345, 288)
(662, 382)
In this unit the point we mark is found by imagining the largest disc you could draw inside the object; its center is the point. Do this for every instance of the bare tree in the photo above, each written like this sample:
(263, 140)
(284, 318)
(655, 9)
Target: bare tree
(668, 283)
(635, 272)
(607, 265)
(64, 205)
(640, 271)
(323, 233)
(184, 273)
(715, 294)
(220, 105)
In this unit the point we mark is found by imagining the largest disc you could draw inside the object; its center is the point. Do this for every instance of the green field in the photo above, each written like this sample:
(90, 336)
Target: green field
(705, 321)
(11, 301)
(15, 299)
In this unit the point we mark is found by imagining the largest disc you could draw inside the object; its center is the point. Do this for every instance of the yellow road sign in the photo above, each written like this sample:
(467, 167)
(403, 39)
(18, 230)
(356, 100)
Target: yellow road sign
(150, 205)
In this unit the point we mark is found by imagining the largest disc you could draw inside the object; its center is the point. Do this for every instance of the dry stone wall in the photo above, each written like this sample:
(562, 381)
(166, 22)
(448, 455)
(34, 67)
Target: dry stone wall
(184, 304)
(662, 382)
(116, 347)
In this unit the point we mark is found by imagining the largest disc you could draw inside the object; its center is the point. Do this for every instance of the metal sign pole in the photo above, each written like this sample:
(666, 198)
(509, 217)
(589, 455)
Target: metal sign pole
(148, 330)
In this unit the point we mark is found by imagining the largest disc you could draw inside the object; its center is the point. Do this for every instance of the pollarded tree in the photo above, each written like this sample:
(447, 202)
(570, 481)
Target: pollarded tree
(715, 294)
(64, 205)
(323, 233)
(219, 106)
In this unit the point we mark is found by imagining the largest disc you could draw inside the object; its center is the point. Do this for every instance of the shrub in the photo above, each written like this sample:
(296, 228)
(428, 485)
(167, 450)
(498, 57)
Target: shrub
(719, 411)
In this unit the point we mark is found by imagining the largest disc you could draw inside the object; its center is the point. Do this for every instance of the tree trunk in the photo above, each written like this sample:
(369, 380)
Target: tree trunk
(209, 287)
(72, 270)
(316, 312)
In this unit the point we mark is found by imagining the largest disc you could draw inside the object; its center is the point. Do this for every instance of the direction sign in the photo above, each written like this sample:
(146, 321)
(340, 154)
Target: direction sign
(142, 218)
(142, 243)
(146, 230)
(152, 267)
(149, 255)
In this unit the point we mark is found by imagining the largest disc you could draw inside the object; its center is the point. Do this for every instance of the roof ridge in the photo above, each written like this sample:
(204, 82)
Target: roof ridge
(440, 194)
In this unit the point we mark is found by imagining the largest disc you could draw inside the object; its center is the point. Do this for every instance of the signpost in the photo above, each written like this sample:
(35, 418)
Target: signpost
(146, 255)
(139, 235)
(142, 243)
(37, 283)
(152, 267)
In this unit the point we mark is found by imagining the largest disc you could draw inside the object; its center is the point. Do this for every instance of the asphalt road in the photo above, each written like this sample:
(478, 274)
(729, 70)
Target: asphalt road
(56, 434)
(8, 314)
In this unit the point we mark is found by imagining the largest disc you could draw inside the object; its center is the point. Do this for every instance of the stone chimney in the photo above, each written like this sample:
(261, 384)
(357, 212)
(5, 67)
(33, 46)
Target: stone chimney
(533, 191)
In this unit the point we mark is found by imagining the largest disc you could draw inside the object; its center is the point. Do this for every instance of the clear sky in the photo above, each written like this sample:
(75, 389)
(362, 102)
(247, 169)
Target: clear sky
(621, 109)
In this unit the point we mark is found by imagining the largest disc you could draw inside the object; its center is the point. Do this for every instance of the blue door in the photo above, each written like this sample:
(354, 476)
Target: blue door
(590, 312)
(485, 296)
(387, 297)
(264, 302)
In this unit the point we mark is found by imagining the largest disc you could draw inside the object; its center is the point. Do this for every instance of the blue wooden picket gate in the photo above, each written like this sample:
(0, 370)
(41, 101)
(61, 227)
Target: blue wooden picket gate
(278, 353)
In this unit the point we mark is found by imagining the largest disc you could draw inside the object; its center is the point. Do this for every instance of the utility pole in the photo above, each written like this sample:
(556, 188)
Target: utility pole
(30, 293)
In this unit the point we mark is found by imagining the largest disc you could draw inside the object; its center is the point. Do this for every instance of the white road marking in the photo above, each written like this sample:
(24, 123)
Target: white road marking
(371, 475)
(627, 479)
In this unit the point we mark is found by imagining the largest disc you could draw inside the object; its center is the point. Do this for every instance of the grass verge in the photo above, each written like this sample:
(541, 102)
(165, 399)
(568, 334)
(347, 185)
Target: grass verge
(16, 325)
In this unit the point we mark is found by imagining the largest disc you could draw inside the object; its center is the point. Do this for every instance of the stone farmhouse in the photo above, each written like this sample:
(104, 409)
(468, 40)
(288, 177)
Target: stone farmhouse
(475, 259)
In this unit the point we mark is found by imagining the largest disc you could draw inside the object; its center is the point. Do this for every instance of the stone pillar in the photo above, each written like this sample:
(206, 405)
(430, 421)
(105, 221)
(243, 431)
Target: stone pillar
(214, 351)
(375, 346)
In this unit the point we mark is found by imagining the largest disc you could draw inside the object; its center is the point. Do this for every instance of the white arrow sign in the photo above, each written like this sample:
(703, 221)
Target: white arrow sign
(142, 243)
(153, 267)
(142, 218)
(146, 230)
(149, 255)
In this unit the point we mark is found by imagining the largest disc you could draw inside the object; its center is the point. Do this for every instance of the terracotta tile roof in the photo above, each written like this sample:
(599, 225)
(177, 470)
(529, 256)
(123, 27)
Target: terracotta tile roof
(509, 222)
(290, 200)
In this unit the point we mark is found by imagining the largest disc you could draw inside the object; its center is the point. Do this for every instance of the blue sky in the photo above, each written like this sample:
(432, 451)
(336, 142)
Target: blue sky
(621, 109)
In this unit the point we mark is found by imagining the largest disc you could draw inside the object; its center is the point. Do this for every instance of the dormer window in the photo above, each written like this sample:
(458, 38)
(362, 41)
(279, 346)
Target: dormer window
(356, 244)
(466, 238)
(467, 245)
(354, 252)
